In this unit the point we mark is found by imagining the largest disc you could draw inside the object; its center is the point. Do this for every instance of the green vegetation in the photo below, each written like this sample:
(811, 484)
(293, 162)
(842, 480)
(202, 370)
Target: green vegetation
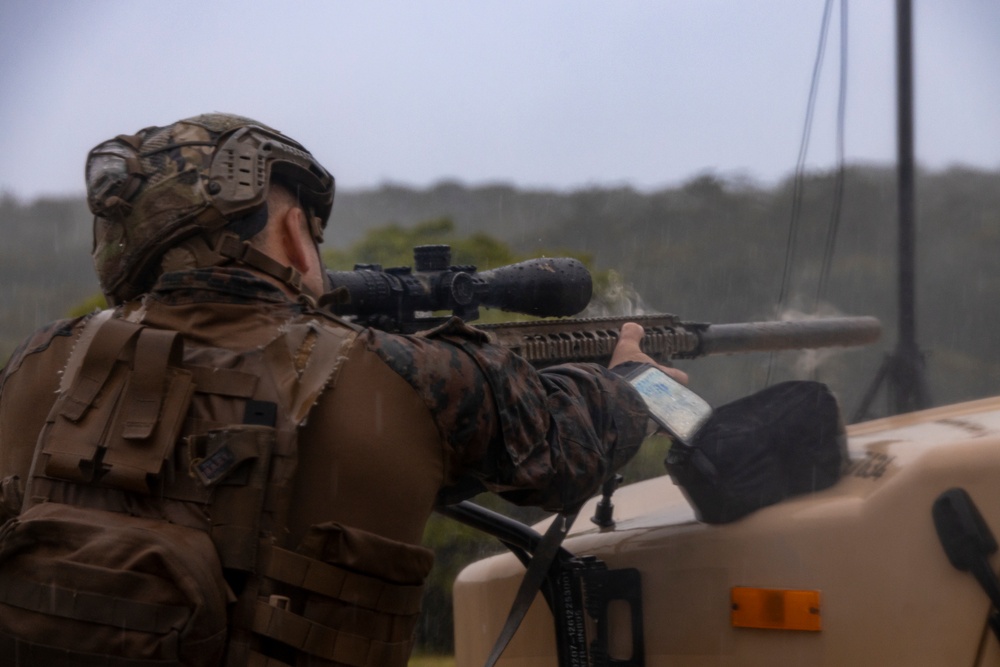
(710, 250)
(392, 245)
(89, 305)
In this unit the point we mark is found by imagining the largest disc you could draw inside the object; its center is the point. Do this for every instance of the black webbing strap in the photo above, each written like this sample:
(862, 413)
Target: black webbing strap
(537, 570)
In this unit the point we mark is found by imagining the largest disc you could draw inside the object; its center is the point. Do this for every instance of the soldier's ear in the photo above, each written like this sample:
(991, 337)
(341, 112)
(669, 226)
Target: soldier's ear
(297, 244)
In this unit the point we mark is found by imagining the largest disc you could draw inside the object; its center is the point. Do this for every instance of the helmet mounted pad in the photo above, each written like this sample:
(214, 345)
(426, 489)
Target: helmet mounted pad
(245, 161)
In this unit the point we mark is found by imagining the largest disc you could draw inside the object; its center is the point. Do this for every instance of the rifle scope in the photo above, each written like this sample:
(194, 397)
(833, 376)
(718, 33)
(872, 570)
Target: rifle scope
(545, 287)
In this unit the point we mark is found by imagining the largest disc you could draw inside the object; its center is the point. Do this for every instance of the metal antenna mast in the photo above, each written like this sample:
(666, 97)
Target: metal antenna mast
(903, 370)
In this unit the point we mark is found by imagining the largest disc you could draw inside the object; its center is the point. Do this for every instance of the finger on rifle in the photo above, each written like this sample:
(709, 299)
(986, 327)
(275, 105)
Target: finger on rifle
(628, 349)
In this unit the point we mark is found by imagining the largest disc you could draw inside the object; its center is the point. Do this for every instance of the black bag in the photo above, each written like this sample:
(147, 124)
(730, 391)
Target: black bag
(783, 441)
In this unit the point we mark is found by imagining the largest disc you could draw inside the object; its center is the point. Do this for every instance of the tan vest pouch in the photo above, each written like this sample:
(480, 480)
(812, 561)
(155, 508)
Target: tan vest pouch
(367, 587)
(81, 586)
(117, 423)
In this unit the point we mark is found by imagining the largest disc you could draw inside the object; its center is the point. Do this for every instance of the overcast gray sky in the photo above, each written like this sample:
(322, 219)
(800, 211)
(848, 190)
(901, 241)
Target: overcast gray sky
(552, 93)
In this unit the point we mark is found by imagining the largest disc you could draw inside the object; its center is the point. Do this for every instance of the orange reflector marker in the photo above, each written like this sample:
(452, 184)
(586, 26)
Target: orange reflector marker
(775, 609)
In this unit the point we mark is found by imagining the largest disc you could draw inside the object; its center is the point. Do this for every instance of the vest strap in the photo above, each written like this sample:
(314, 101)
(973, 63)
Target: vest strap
(323, 642)
(95, 362)
(334, 582)
(90, 607)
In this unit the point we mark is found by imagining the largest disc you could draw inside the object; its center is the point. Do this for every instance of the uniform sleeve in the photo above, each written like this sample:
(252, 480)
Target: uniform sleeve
(548, 438)
(28, 385)
(37, 342)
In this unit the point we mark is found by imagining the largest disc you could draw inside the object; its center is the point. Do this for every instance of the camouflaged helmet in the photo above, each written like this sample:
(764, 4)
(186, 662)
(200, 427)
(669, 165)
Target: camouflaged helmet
(154, 189)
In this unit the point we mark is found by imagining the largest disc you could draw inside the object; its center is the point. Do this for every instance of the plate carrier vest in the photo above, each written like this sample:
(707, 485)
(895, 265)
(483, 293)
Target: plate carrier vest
(153, 526)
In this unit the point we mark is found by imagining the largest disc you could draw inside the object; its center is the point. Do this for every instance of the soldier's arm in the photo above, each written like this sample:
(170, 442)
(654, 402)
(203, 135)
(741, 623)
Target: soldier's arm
(547, 438)
(28, 385)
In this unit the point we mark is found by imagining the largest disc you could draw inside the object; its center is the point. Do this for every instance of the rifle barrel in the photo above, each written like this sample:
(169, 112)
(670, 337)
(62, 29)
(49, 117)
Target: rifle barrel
(789, 335)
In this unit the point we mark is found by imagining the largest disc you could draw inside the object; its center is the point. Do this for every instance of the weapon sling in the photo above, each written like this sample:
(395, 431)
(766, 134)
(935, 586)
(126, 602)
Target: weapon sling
(535, 574)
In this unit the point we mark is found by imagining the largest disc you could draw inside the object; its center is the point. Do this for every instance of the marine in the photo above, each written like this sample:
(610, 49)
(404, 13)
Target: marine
(217, 471)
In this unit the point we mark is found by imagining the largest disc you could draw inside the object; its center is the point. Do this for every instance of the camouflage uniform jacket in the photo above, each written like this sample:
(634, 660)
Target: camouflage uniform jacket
(411, 418)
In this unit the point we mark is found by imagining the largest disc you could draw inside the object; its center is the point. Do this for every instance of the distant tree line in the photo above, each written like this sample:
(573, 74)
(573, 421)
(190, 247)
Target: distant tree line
(710, 249)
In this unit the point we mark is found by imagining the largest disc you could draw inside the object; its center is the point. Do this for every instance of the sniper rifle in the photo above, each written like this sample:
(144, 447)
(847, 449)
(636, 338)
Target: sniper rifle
(403, 300)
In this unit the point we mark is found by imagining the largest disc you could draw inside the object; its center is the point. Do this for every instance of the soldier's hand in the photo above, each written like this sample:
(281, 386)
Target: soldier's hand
(628, 350)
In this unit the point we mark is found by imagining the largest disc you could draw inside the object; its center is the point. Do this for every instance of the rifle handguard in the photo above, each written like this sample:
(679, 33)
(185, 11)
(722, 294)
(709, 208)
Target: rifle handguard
(549, 342)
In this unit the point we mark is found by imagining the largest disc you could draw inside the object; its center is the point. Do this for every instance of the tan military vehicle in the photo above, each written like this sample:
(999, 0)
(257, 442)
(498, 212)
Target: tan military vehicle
(865, 572)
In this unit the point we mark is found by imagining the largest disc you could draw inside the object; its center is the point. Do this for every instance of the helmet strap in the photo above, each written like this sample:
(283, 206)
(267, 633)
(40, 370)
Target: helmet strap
(227, 246)
(244, 252)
